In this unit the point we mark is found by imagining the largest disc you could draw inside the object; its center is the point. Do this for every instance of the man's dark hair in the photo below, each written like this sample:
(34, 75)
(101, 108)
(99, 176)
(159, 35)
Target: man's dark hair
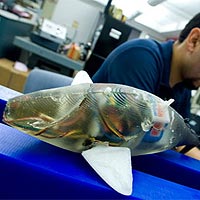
(194, 22)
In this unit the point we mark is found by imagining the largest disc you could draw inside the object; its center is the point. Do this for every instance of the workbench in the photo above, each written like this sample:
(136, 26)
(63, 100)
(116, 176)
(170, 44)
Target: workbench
(60, 61)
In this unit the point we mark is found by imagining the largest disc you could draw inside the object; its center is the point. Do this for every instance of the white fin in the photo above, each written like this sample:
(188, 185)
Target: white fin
(169, 102)
(113, 164)
(81, 77)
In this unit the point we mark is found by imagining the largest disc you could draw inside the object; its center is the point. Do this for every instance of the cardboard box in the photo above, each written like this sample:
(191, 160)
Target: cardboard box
(5, 71)
(18, 80)
(11, 77)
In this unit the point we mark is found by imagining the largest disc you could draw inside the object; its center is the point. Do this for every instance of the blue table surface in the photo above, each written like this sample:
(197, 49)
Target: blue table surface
(31, 168)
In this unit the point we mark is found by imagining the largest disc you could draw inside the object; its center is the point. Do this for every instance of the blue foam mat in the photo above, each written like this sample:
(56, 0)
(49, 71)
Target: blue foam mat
(2, 107)
(171, 166)
(31, 168)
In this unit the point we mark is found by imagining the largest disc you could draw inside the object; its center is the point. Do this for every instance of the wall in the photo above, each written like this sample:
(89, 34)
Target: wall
(68, 11)
(87, 15)
(48, 8)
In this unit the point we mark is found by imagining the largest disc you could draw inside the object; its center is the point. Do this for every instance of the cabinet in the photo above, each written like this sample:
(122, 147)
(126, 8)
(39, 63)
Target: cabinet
(113, 33)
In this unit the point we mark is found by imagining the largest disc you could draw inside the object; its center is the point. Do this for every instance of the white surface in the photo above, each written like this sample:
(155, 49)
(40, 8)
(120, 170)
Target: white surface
(7, 93)
(69, 11)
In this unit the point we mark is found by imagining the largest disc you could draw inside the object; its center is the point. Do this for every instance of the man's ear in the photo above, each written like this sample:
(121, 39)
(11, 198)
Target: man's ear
(193, 39)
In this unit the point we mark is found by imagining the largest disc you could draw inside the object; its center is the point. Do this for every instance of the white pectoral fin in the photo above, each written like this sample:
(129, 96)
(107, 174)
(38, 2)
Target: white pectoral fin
(81, 77)
(113, 164)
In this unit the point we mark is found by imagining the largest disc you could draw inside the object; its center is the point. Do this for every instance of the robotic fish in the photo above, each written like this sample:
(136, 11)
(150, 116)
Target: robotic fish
(103, 122)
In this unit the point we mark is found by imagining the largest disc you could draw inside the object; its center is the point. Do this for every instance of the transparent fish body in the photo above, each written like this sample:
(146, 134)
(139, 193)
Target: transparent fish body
(79, 117)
